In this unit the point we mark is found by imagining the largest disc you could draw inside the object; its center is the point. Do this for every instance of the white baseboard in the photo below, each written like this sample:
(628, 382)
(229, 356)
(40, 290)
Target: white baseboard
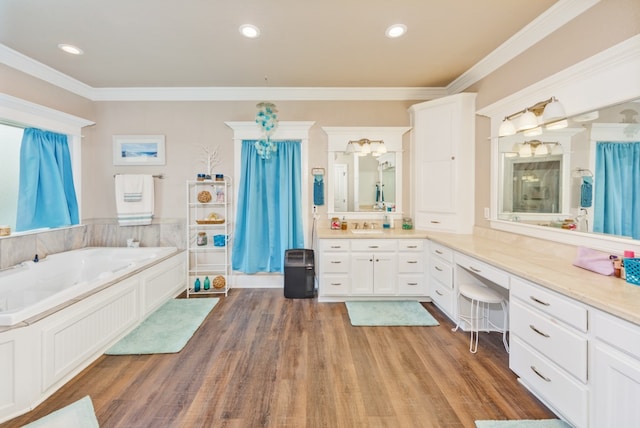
(259, 280)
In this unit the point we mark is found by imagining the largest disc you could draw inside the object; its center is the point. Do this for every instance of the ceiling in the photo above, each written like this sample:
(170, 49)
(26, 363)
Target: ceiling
(303, 43)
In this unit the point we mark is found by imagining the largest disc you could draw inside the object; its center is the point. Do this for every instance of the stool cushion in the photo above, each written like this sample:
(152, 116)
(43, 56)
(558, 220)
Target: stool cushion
(480, 293)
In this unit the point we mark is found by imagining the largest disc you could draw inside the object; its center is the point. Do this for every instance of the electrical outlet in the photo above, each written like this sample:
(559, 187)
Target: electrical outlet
(487, 213)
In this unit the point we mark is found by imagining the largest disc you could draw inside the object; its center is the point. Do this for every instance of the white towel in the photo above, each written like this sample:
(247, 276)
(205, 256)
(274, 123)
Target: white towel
(134, 199)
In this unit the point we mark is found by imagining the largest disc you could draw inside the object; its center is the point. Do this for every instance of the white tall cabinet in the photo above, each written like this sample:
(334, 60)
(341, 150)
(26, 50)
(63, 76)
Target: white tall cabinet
(443, 156)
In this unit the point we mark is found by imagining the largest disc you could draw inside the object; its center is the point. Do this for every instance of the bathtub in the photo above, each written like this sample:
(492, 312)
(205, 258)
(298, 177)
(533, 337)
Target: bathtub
(61, 314)
(34, 288)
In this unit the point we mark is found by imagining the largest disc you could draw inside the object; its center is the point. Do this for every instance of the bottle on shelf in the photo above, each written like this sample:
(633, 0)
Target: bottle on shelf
(196, 285)
(207, 283)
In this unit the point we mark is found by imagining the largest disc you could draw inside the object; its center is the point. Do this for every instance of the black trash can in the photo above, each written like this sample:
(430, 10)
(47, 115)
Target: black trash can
(299, 273)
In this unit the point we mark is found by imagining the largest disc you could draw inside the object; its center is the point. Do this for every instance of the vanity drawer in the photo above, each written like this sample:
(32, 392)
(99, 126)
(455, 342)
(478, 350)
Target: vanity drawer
(484, 270)
(374, 245)
(335, 245)
(436, 221)
(566, 395)
(442, 296)
(334, 285)
(441, 251)
(412, 285)
(442, 272)
(335, 263)
(411, 244)
(411, 262)
(558, 343)
(549, 302)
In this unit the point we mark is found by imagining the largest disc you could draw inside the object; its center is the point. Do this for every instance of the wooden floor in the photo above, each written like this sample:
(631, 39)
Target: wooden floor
(260, 360)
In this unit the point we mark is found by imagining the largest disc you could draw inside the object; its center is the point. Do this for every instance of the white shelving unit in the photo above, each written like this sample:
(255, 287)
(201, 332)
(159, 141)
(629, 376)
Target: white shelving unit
(210, 259)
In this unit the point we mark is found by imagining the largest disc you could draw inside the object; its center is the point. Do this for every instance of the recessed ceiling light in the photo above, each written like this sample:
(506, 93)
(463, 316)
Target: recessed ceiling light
(396, 30)
(74, 50)
(250, 31)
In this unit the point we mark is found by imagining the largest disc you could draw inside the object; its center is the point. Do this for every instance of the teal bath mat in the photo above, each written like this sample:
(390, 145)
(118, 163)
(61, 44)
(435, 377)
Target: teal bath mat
(541, 423)
(167, 330)
(389, 313)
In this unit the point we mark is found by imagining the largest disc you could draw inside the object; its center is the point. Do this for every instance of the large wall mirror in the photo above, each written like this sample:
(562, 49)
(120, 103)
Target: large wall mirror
(363, 185)
(583, 177)
(606, 83)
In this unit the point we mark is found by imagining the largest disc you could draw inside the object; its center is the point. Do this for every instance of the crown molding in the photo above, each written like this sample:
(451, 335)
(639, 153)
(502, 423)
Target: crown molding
(271, 93)
(548, 22)
(23, 63)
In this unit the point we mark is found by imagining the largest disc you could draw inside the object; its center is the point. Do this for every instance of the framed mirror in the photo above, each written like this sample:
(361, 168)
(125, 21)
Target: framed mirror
(577, 178)
(364, 186)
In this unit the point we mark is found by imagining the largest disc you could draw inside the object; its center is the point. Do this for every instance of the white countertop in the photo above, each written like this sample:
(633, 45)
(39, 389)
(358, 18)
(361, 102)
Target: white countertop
(543, 262)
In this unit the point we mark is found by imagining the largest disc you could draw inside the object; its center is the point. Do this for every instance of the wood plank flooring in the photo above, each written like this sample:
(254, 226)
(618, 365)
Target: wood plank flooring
(261, 360)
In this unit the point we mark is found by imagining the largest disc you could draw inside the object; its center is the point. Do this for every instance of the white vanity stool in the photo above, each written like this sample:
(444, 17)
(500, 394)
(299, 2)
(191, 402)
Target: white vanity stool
(481, 297)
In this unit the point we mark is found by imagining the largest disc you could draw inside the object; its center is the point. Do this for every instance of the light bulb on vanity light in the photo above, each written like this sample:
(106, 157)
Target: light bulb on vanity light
(507, 128)
(553, 111)
(527, 121)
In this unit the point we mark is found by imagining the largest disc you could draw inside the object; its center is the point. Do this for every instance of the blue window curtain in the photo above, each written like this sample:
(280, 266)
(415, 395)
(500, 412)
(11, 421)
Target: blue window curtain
(617, 189)
(269, 214)
(46, 194)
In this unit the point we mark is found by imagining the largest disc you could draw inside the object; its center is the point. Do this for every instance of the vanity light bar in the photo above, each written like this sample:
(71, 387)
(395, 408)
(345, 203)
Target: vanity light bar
(551, 110)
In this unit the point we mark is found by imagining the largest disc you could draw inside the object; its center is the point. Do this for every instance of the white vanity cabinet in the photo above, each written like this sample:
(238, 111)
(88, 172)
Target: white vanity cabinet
(374, 263)
(548, 348)
(334, 267)
(384, 268)
(615, 383)
(441, 278)
(442, 152)
(412, 267)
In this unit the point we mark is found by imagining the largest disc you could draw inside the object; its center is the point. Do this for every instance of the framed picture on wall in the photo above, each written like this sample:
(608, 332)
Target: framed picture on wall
(138, 150)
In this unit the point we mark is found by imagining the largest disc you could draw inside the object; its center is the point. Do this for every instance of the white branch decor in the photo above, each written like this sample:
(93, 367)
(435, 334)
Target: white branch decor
(210, 157)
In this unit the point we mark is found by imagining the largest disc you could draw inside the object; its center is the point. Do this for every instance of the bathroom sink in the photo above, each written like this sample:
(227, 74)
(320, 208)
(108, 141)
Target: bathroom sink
(366, 231)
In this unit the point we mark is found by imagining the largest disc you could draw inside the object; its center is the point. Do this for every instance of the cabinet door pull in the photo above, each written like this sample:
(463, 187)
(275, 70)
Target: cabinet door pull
(532, 327)
(336, 283)
(336, 262)
(474, 269)
(438, 252)
(543, 377)
(412, 246)
(412, 261)
(434, 222)
(539, 301)
(373, 246)
(336, 246)
(412, 283)
(438, 268)
(439, 293)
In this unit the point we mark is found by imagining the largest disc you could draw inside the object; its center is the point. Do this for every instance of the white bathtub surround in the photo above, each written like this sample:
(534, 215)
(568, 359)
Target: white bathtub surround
(35, 288)
(40, 355)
